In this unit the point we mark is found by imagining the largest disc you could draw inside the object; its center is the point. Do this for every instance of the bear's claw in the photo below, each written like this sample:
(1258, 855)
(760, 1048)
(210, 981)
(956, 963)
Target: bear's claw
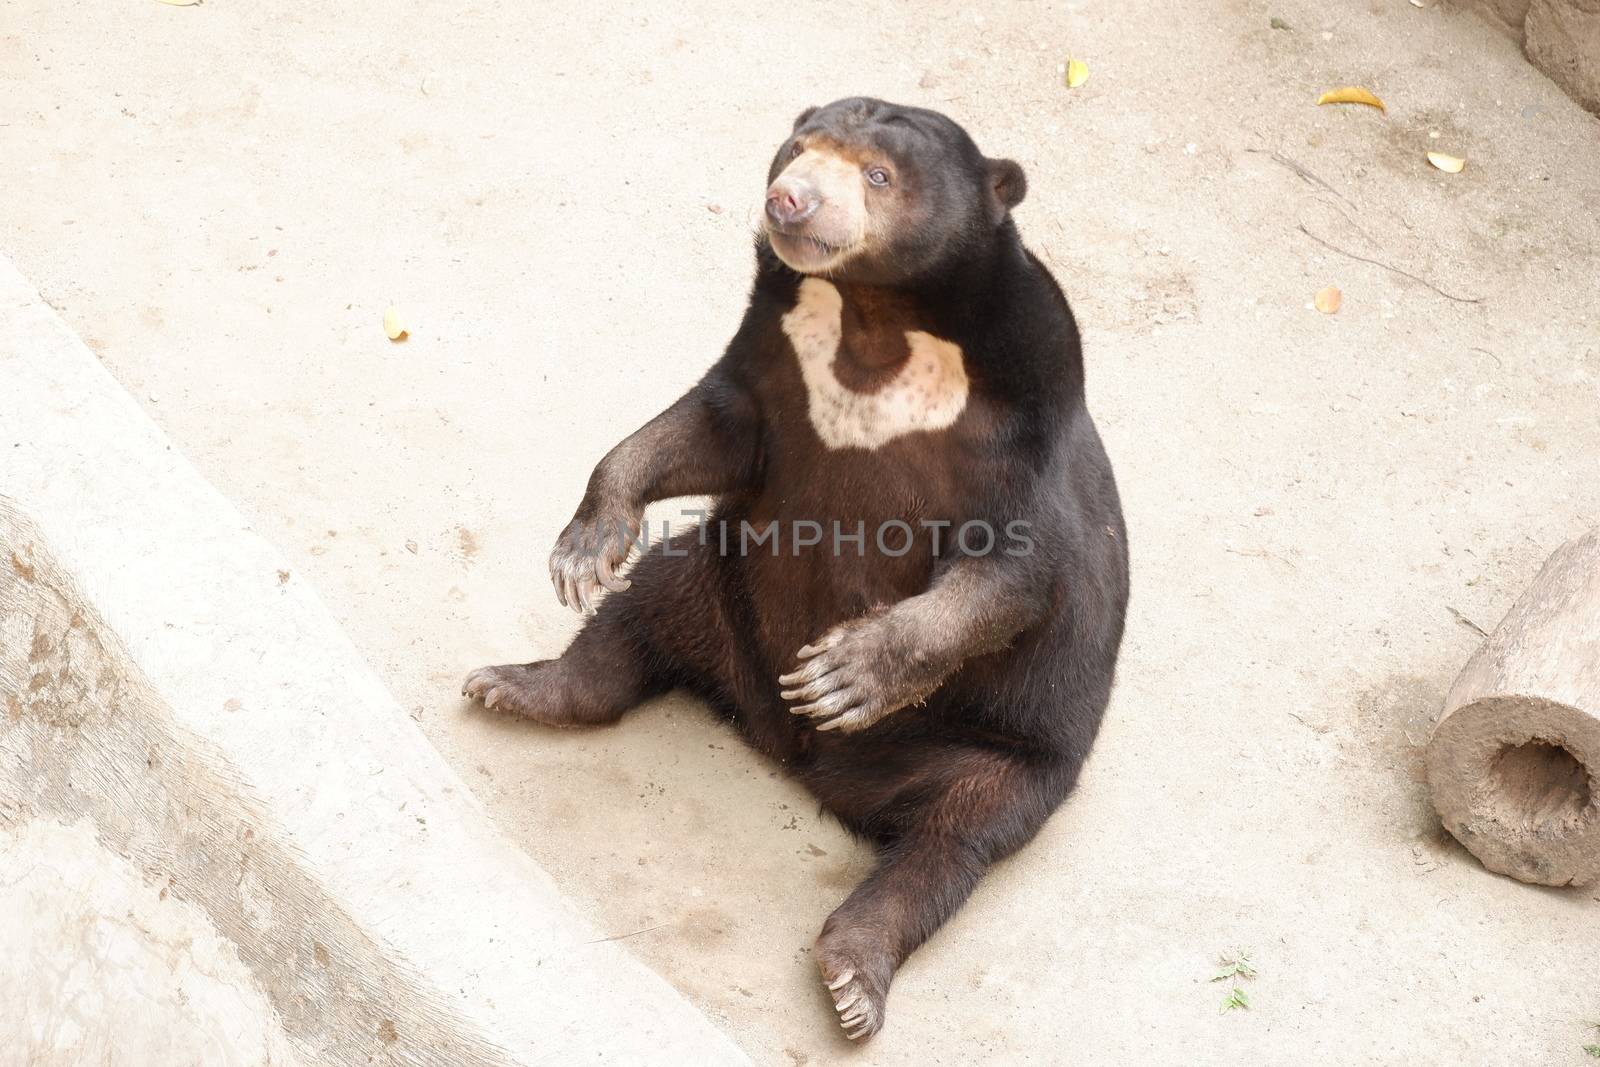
(505, 687)
(860, 1012)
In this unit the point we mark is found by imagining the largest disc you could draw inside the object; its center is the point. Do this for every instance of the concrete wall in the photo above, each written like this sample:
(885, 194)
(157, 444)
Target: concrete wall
(102, 966)
(165, 916)
(220, 839)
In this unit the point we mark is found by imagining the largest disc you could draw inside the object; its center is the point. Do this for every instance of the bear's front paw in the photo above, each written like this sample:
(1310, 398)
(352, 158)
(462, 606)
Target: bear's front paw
(587, 555)
(859, 672)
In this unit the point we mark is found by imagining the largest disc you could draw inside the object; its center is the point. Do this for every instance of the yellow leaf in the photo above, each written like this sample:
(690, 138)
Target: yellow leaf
(1352, 94)
(1328, 300)
(1077, 73)
(1448, 164)
(393, 326)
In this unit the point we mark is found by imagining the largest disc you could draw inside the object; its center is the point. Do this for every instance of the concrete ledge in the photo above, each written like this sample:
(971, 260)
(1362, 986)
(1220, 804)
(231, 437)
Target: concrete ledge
(190, 742)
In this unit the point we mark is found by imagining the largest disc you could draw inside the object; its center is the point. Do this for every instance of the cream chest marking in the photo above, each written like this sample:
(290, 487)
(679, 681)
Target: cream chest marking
(929, 392)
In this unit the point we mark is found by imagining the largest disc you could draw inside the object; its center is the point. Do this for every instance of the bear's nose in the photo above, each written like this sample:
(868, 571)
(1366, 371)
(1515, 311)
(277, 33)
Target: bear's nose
(789, 203)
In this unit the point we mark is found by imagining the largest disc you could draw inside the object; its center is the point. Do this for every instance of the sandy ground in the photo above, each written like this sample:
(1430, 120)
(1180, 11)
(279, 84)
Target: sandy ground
(222, 200)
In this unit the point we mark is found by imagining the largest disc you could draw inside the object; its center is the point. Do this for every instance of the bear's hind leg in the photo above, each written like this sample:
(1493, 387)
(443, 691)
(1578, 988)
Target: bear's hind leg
(666, 629)
(598, 678)
(963, 813)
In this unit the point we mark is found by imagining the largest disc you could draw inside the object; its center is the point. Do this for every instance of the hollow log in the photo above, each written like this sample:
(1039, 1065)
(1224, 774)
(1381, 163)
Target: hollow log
(1514, 761)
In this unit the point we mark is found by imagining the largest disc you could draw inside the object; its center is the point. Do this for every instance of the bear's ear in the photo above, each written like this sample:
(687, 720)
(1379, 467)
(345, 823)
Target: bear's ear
(804, 115)
(1007, 185)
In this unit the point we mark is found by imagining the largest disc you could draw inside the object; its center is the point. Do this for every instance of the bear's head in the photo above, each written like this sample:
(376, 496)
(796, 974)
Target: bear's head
(871, 192)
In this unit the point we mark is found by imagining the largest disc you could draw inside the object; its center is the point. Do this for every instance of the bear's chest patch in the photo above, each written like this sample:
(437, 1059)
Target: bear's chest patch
(928, 392)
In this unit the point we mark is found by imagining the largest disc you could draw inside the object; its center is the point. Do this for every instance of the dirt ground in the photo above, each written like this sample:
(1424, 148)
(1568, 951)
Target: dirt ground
(222, 200)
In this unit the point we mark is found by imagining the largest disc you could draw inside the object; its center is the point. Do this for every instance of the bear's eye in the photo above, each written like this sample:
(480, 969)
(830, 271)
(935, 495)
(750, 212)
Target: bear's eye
(877, 176)
(795, 149)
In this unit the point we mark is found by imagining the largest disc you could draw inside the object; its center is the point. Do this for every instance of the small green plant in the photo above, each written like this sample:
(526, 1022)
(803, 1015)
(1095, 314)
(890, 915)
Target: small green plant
(1234, 968)
(1236, 998)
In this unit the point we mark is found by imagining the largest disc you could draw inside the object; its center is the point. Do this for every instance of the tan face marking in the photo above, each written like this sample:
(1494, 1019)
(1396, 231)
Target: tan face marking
(844, 192)
(928, 393)
(842, 221)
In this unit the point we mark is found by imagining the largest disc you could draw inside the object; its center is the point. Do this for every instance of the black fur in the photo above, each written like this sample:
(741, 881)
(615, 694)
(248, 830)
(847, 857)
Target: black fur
(1020, 674)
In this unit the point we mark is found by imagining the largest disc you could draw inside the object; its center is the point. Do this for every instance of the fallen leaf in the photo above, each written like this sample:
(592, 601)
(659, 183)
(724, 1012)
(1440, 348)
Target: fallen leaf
(1077, 73)
(1448, 164)
(393, 326)
(1329, 299)
(1352, 94)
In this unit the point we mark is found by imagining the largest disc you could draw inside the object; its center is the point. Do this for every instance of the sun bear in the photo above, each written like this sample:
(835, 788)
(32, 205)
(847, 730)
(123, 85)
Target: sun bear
(910, 590)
